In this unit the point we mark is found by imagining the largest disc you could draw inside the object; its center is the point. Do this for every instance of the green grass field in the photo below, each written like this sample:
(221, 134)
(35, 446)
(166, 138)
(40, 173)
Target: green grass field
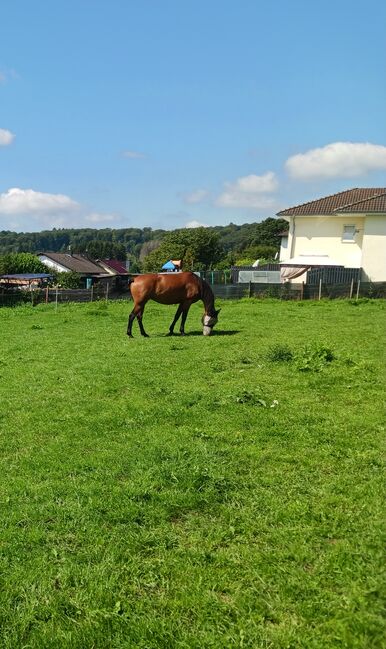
(192, 492)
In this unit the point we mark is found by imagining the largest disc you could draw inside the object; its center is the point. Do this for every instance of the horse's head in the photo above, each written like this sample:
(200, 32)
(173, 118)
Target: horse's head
(209, 321)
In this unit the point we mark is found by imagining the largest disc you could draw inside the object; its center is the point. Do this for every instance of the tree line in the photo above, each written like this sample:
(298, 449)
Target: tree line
(146, 249)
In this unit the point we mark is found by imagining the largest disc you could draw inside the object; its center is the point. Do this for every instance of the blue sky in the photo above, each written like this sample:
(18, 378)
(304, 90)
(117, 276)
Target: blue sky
(171, 113)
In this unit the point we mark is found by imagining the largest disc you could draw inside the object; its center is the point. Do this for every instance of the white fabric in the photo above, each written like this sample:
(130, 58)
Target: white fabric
(290, 272)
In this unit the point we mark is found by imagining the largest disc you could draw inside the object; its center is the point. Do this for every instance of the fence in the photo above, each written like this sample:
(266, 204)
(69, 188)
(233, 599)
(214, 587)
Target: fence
(303, 291)
(59, 296)
(333, 275)
(288, 291)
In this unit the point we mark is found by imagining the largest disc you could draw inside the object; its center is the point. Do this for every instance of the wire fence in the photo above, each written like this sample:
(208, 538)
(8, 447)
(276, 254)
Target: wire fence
(288, 291)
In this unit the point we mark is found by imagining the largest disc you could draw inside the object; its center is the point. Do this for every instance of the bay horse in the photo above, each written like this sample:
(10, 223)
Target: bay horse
(172, 288)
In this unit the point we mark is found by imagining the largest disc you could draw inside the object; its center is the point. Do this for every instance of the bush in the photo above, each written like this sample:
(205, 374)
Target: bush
(68, 280)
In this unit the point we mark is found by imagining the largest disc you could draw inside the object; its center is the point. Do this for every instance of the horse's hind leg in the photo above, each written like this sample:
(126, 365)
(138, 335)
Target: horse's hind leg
(137, 312)
(139, 318)
(132, 317)
(178, 313)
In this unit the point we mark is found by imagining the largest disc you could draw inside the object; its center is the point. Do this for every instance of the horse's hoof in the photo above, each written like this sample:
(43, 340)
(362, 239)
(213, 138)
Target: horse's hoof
(171, 333)
(146, 335)
(130, 336)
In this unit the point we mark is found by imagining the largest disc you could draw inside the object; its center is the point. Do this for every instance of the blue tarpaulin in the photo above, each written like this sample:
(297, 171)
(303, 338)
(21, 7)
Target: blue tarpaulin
(169, 266)
(26, 276)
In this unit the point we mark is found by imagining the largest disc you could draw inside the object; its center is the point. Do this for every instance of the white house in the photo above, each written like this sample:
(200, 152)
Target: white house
(346, 229)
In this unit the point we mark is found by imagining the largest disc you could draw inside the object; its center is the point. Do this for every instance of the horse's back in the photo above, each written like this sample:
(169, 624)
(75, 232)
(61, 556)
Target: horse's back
(166, 288)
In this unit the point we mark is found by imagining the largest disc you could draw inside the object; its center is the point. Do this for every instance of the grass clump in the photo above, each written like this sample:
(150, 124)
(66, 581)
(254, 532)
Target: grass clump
(280, 353)
(314, 358)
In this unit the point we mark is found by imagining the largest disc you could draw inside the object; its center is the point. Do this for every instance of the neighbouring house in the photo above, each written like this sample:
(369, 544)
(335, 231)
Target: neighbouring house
(347, 229)
(89, 271)
(117, 270)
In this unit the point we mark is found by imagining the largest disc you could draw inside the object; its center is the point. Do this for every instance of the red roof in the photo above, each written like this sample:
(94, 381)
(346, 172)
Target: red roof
(116, 265)
(360, 200)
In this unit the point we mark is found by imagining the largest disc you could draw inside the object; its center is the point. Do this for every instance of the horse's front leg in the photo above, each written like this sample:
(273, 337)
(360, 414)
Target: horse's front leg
(178, 313)
(185, 311)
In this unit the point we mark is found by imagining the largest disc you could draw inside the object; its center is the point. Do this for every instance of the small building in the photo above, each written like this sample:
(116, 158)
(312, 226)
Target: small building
(25, 281)
(117, 270)
(347, 229)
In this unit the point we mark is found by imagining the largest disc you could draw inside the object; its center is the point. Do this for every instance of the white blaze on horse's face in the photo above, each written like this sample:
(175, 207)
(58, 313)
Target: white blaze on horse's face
(208, 322)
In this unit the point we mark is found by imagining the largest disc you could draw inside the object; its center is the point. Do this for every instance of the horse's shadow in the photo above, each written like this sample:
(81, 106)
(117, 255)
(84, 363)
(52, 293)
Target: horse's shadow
(215, 332)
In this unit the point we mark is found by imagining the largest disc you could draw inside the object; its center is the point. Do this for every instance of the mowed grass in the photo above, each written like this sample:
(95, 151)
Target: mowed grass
(192, 492)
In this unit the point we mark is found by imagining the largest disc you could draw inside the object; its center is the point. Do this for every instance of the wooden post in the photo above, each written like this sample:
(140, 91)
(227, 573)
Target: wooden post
(302, 291)
(358, 287)
(107, 291)
(46, 294)
(320, 289)
(351, 288)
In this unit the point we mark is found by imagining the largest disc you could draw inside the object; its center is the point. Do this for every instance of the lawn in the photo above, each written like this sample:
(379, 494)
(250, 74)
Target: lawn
(192, 492)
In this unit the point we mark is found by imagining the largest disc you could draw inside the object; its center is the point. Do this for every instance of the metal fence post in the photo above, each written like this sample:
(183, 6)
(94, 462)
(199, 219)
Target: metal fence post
(320, 288)
(351, 287)
(358, 287)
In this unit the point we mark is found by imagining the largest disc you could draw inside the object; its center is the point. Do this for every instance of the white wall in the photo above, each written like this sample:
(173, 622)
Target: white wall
(53, 264)
(323, 235)
(374, 248)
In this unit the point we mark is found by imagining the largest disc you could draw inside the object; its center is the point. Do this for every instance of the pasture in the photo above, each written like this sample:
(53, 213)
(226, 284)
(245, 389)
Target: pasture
(192, 492)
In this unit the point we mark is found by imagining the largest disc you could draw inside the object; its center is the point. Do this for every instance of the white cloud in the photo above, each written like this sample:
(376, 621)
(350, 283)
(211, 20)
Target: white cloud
(249, 191)
(28, 210)
(339, 159)
(6, 74)
(196, 224)
(27, 201)
(99, 217)
(133, 155)
(6, 137)
(196, 196)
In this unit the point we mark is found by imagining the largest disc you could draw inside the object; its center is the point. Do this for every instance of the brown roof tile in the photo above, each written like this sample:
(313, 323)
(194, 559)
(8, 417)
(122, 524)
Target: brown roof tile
(362, 199)
(76, 263)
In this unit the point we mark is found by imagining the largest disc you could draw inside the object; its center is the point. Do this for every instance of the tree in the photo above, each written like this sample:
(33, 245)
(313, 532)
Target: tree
(21, 262)
(198, 248)
(68, 280)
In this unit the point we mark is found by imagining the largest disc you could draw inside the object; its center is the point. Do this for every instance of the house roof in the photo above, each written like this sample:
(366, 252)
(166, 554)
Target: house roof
(115, 265)
(74, 262)
(359, 200)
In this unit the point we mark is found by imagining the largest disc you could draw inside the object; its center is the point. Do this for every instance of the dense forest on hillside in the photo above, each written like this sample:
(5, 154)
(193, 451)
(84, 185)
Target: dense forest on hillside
(248, 240)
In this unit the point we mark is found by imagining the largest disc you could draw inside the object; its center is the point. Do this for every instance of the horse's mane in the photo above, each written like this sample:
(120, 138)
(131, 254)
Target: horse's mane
(207, 295)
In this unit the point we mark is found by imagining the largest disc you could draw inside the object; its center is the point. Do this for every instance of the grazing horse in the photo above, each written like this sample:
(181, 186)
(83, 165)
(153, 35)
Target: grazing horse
(172, 288)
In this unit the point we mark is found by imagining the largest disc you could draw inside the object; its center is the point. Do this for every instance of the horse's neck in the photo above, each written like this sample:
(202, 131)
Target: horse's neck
(208, 299)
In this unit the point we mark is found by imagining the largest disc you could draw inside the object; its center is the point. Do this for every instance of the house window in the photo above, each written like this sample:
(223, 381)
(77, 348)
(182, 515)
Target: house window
(349, 232)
